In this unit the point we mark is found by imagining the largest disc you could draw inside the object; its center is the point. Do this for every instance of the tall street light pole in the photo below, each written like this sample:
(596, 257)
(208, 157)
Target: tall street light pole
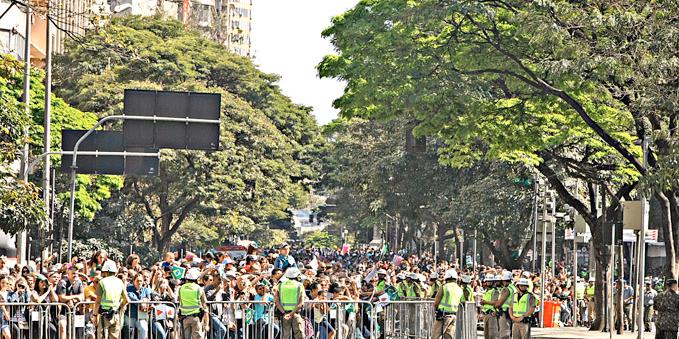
(642, 246)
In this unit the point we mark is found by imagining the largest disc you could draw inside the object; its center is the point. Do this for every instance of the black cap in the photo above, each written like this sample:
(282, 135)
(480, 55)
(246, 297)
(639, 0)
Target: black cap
(670, 282)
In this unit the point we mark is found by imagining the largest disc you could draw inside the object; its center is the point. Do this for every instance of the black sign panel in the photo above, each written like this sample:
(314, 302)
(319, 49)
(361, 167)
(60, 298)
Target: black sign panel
(176, 135)
(105, 141)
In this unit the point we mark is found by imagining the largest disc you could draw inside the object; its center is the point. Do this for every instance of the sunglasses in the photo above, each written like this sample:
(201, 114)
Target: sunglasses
(21, 286)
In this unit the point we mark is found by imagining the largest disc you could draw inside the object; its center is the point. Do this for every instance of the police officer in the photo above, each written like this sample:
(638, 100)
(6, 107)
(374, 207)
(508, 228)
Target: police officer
(289, 300)
(589, 295)
(488, 310)
(111, 297)
(502, 304)
(667, 306)
(435, 284)
(467, 290)
(382, 283)
(520, 310)
(446, 304)
(192, 306)
(581, 305)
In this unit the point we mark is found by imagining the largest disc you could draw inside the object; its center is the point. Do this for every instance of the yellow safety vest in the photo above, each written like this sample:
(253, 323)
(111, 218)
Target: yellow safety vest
(290, 292)
(512, 291)
(189, 299)
(488, 297)
(450, 300)
(520, 306)
(580, 291)
(434, 289)
(111, 291)
(470, 294)
(590, 291)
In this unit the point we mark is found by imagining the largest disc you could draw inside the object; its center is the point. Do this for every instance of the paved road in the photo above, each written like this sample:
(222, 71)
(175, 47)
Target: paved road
(580, 333)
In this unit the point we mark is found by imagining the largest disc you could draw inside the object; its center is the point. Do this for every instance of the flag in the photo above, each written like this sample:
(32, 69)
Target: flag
(385, 249)
(345, 249)
(371, 275)
(397, 260)
(178, 272)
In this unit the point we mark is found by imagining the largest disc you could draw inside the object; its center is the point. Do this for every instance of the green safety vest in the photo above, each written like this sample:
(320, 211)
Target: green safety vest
(580, 291)
(381, 285)
(510, 297)
(111, 291)
(189, 299)
(470, 294)
(290, 291)
(521, 306)
(590, 291)
(434, 289)
(450, 300)
(488, 297)
(410, 291)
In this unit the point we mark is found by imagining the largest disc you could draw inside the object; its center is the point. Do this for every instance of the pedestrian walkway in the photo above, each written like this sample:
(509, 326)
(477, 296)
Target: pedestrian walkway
(580, 333)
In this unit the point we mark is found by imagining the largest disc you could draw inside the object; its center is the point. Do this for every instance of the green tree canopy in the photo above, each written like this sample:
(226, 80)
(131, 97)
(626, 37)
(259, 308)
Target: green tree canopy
(265, 138)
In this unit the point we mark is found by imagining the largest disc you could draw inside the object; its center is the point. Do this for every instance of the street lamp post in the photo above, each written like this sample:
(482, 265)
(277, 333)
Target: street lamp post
(74, 167)
(641, 252)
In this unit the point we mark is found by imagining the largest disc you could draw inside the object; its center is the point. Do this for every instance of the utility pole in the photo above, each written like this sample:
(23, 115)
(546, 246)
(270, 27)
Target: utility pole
(641, 252)
(552, 222)
(543, 276)
(576, 316)
(22, 236)
(536, 201)
(47, 139)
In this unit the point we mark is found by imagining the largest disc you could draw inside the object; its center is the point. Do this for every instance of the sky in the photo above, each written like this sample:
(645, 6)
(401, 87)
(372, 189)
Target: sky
(286, 39)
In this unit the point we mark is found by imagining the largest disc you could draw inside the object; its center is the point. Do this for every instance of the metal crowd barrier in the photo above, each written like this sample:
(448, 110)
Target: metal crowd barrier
(25, 320)
(325, 319)
(237, 320)
(242, 320)
(408, 318)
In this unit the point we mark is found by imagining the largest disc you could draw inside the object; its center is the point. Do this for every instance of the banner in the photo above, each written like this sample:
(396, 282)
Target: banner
(569, 234)
(345, 249)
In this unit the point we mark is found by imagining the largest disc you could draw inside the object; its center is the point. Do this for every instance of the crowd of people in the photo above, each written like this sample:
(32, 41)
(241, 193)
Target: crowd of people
(283, 293)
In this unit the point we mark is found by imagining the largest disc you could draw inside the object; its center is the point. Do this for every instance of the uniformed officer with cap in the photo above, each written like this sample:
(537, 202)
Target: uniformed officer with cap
(521, 308)
(446, 304)
(467, 290)
(289, 300)
(667, 308)
(192, 306)
(111, 297)
(502, 305)
(435, 284)
(490, 295)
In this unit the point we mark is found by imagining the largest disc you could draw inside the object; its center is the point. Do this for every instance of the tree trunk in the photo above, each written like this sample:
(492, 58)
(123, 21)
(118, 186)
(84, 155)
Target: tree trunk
(668, 234)
(441, 230)
(599, 287)
(673, 265)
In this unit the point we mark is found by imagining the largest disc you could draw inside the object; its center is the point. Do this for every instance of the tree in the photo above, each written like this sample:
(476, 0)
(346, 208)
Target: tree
(262, 161)
(320, 239)
(557, 85)
(374, 178)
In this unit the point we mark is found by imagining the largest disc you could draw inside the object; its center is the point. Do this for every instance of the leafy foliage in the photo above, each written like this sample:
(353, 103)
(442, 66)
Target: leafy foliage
(265, 139)
(320, 239)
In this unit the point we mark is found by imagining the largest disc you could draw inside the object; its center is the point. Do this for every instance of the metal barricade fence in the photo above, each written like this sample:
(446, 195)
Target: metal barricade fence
(241, 320)
(26, 320)
(408, 318)
(149, 320)
(340, 319)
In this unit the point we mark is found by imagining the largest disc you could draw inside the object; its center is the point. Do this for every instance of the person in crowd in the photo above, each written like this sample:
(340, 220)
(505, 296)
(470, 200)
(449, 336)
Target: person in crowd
(502, 305)
(137, 314)
(284, 259)
(591, 302)
(649, 299)
(488, 309)
(70, 291)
